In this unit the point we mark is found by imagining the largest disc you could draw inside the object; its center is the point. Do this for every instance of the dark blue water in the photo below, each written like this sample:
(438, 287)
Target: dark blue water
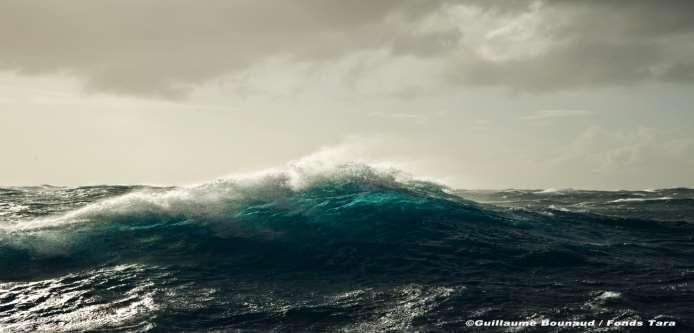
(350, 249)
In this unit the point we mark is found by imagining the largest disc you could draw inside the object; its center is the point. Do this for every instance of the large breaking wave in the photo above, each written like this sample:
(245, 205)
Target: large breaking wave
(368, 234)
(329, 219)
(349, 217)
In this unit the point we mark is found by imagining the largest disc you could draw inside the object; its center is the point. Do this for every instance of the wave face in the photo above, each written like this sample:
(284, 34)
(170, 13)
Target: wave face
(348, 248)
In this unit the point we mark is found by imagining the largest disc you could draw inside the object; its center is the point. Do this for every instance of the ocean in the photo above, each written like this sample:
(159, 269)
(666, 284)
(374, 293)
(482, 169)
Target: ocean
(350, 249)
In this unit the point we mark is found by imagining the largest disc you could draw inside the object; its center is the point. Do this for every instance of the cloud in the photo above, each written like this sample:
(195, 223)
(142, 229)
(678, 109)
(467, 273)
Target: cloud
(167, 47)
(399, 115)
(558, 45)
(643, 155)
(559, 113)
(163, 47)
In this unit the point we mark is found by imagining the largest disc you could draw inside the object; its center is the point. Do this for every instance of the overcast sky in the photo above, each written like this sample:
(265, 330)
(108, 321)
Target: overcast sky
(477, 94)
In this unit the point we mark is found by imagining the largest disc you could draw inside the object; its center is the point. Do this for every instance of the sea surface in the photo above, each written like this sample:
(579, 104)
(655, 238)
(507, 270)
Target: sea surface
(350, 249)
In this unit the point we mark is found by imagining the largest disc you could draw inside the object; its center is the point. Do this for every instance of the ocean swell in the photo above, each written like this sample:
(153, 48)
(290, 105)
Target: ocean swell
(342, 248)
(347, 219)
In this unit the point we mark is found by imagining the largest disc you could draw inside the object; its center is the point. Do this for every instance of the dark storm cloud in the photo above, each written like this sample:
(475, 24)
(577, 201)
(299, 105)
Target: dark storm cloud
(594, 43)
(645, 18)
(162, 47)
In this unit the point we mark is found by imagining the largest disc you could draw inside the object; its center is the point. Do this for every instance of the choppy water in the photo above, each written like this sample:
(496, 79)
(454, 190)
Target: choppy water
(348, 249)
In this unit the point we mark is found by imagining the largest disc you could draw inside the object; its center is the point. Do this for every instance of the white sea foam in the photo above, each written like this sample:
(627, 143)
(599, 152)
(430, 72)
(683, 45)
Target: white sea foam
(640, 199)
(555, 191)
(559, 208)
(609, 295)
(213, 199)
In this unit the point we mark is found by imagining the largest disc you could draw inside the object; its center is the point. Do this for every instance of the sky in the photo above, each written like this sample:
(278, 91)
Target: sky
(595, 94)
